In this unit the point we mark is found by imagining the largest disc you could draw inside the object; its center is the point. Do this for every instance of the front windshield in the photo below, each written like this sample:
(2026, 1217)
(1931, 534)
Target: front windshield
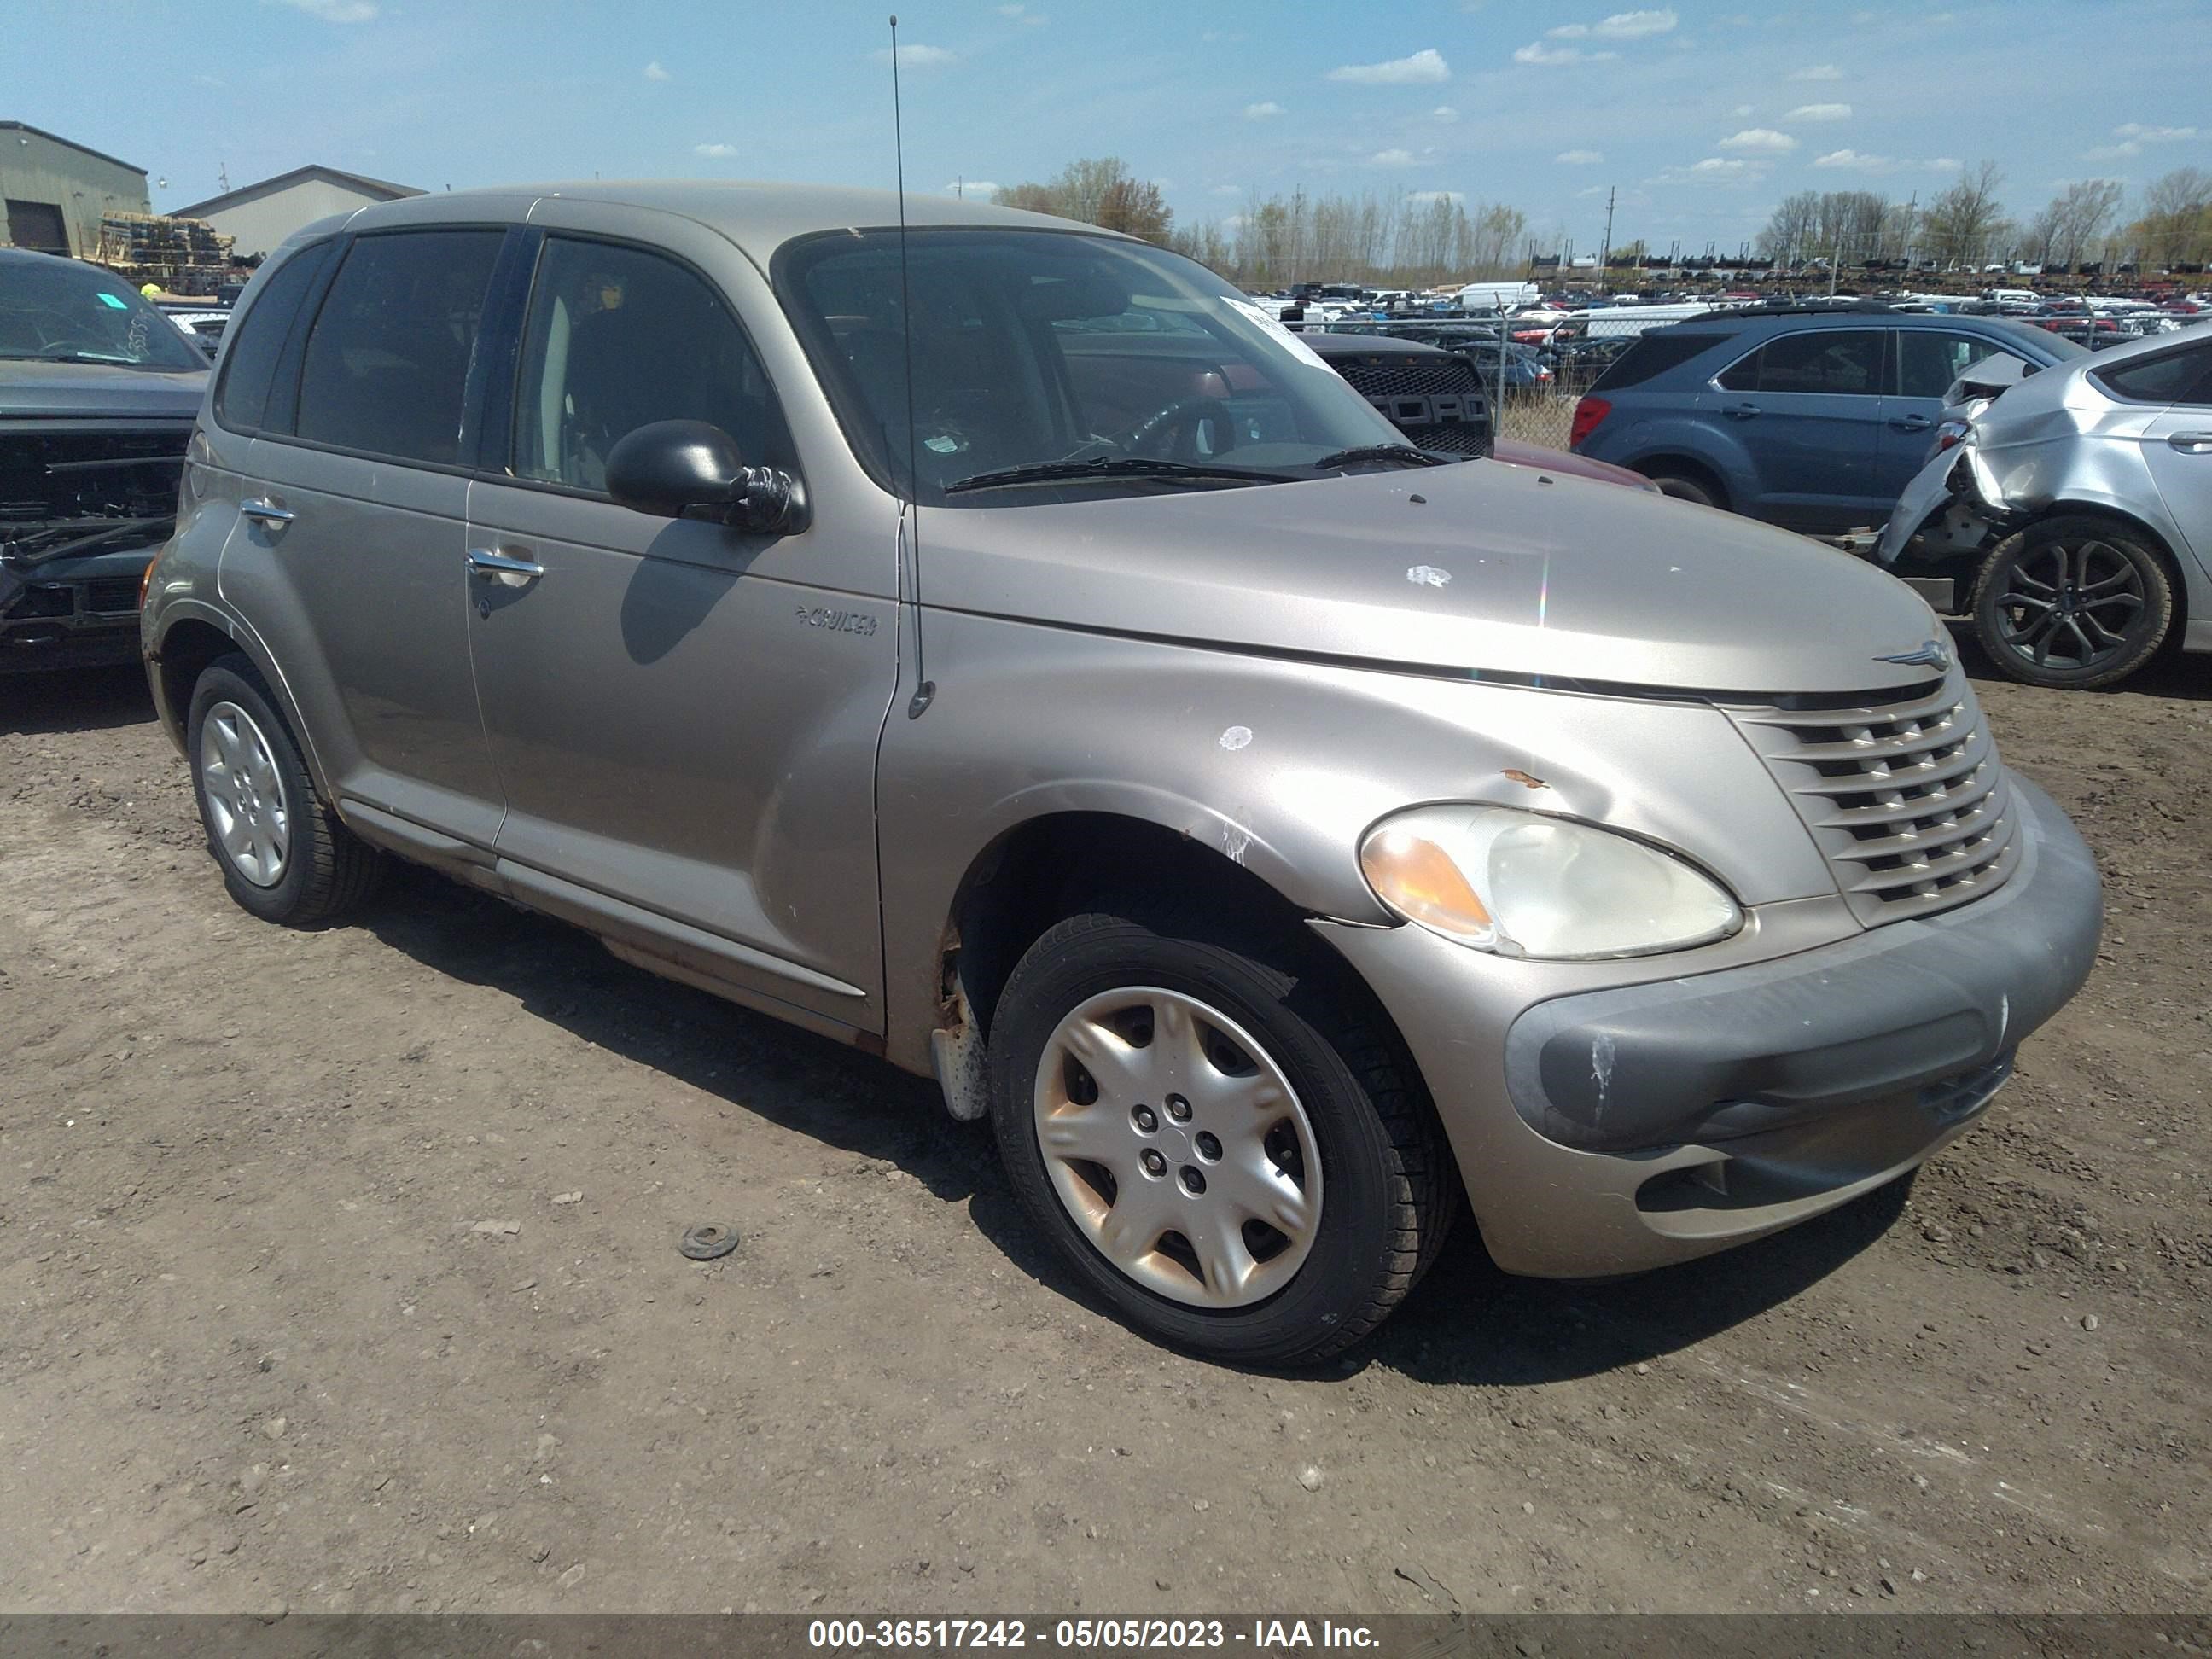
(1032, 348)
(65, 311)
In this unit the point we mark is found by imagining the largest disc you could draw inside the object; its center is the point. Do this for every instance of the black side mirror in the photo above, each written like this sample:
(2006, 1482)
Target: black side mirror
(692, 469)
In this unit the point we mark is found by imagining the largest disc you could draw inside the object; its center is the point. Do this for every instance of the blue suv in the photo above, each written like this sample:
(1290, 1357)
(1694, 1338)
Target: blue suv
(1812, 418)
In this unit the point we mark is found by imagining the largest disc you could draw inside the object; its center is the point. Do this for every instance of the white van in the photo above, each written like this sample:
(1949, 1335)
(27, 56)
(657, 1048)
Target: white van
(1613, 322)
(1498, 296)
(2018, 296)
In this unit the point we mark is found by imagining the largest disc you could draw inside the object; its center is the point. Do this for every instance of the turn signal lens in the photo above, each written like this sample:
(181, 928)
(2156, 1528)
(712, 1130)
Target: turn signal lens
(1423, 884)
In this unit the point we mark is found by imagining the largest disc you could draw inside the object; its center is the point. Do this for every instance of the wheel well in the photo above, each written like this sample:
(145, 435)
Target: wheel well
(2134, 526)
(1051, 867)
(186, 650)
(1682, 466)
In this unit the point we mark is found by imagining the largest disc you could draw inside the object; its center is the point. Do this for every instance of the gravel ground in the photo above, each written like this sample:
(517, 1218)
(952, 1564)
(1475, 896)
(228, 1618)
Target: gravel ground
(339, 1272)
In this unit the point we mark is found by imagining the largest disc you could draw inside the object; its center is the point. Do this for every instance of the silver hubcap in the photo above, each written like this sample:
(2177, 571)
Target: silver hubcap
(245, 795)
(1178, 1146)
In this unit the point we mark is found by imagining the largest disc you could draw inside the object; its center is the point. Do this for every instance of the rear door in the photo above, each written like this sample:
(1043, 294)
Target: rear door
(1807, 409)
(348, 561)
(683, 715)
(2177, 442)
(1923, 362)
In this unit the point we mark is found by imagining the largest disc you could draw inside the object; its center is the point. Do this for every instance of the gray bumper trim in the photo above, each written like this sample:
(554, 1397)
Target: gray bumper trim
(1751, 1049)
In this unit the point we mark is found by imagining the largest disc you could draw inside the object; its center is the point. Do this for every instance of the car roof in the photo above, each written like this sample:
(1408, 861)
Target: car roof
(758, 216)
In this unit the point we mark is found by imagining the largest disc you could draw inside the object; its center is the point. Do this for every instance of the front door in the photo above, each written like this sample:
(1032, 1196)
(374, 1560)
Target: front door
(2177, 449)
(1806, 408)
(355, 569)
(683, 716)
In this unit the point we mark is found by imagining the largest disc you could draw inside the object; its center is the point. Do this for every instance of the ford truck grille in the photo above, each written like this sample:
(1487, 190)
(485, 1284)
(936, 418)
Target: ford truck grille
(1907, 799)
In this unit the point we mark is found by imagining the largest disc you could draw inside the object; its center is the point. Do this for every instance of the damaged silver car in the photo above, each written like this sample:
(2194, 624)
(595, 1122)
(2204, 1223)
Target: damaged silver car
(2072, 511)
(1003, 648)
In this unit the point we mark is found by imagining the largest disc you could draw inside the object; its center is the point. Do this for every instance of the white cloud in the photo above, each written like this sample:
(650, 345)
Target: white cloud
(1444, 113)
(1621, 26)
(1855, 161)
(2135, 131)
(978, 187)
(1743, 110)
(1579, 158)
(1426, 65)
(1226, 190)
(1430, 197)
(1713, 167)
(1011, 11)
(654, 72)
(714, 152)
(1392, 158)
(1262, 111)
(1537, 52)
(918, 57)
(1818, 72)
(1759, 141)
(332, 11)
(1715, 170)
(2111, 152)
(1819, 113)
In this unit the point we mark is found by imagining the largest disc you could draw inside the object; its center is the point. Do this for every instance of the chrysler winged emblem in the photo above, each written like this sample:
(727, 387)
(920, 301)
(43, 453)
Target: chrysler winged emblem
(1932, 654)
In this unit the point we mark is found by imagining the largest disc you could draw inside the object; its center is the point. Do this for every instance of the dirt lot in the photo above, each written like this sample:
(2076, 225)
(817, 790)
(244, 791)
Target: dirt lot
(260, 1346)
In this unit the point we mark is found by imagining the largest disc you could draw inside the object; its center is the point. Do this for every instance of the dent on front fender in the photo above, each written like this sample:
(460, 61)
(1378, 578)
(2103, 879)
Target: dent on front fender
(1279, 766)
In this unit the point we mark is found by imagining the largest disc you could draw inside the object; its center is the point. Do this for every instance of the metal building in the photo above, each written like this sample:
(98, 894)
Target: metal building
(57, 190)
(259, 216)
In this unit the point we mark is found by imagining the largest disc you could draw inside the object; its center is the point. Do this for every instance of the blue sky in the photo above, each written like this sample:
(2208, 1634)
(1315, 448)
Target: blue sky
(1702, 115)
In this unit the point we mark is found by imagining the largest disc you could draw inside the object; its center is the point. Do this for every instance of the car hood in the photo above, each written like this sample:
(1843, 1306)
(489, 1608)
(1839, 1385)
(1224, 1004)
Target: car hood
(97, 391)
(1447, 570)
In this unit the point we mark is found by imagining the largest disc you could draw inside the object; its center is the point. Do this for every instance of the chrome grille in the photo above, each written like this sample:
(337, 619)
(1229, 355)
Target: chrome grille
(1907, 799)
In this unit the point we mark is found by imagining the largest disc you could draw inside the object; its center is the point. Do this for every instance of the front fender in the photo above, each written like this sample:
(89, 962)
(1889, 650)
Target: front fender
(1278, 765)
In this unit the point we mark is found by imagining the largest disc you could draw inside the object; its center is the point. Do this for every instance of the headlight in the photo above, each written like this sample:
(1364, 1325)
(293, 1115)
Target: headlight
(1522, 884)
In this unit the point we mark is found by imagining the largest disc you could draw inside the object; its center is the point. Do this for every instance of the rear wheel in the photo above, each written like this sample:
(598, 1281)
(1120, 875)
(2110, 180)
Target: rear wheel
(284, 855)
(2073, 603)
(1222, 1152)
(1684, 488)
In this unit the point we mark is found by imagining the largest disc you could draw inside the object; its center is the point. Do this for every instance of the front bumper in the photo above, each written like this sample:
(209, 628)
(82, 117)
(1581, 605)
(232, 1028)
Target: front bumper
(72, 613)
(1603, 1130)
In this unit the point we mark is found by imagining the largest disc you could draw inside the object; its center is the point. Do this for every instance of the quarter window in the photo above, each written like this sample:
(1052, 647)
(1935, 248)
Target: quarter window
(618, 338)
(387, 365)
(2174, 377)
(241, 402)
(1836, 361)
(1928, 360)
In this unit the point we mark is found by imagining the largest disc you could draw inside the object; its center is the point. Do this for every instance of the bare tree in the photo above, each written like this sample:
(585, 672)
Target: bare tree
(1098, 191)
(2071, 222)
(1135, 206)
(1966, 223)
(2176, 226)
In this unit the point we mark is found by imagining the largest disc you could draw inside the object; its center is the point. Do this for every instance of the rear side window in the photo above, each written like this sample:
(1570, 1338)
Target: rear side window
(387, 365)
(1653, 354)
(1928, 360)
(2174, 377)
(241, 401)
(1834, 361)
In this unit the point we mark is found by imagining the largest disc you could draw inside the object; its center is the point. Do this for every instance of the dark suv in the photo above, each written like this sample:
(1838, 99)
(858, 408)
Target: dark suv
(98, 390)
(1814, 419)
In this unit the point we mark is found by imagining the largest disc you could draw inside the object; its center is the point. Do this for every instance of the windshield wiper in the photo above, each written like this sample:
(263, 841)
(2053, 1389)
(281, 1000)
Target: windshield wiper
(1110, 466)
(1406, 453)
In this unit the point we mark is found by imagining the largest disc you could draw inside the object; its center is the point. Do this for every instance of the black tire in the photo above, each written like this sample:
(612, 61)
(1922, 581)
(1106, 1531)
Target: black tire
(2073, 603)
(326, 870)
(1388, 1194)
(1684, 488)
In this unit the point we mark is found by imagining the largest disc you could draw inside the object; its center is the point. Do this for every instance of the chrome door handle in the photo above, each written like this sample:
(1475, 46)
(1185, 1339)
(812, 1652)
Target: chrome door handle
(488, 564)
(2192, 443)
(1912, 423)
(264, 510)
(1740, 411)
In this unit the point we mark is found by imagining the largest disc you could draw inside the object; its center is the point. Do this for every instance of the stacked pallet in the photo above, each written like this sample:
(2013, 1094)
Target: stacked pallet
(184, 256)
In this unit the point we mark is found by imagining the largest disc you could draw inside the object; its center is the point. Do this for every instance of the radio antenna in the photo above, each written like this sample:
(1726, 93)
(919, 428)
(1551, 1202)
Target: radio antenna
(924, 689)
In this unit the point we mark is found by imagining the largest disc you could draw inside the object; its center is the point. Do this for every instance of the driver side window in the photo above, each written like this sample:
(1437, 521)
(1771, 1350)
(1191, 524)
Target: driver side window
(618, 338)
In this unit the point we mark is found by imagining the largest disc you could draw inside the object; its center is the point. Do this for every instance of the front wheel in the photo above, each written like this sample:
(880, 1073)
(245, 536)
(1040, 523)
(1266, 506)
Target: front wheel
(2073, 603)
(1219, 1145)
